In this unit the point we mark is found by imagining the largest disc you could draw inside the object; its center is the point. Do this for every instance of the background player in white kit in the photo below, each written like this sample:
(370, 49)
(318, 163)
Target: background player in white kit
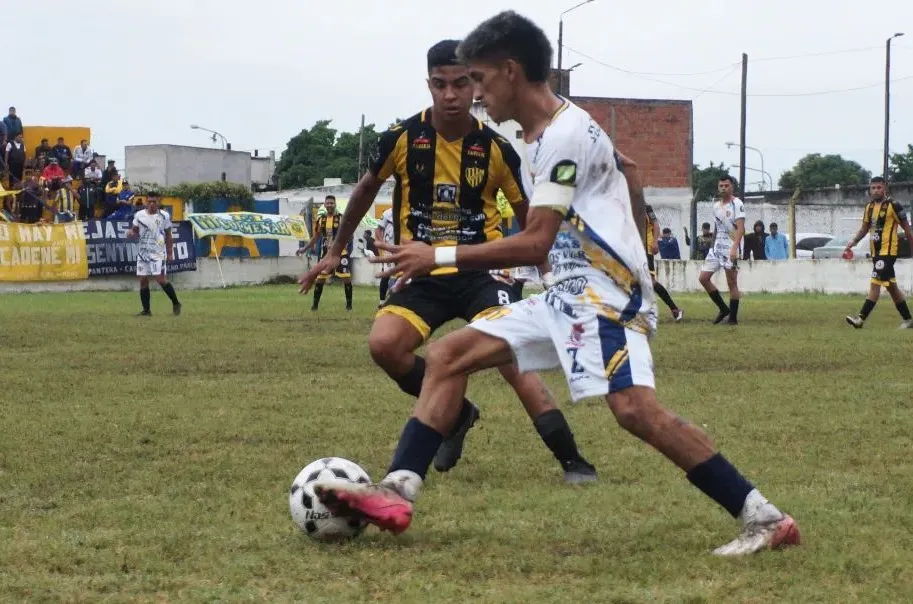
(729, 215)
(384, 232)
(153, 227)
(595, 318)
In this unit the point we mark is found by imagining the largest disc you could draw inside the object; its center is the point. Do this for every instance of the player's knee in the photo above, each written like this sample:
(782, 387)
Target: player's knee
(441, 359)
(631, 410)
(386, 348)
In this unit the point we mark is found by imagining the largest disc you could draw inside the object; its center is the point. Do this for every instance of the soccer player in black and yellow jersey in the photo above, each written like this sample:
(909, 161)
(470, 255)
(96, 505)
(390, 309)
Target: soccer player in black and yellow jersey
(652, 245)
(326, 230)
(448, 168)
(881, 219)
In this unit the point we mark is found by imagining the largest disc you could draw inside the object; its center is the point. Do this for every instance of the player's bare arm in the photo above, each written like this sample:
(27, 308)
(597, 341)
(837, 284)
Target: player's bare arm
(657, 235)
(168, 251)
(737, 239)
(529, 247)
(359, 203)
(859, 234)
(636, 193)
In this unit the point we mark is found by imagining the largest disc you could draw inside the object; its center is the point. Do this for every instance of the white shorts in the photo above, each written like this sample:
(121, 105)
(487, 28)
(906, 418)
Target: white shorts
(598, 356)
(150, 268)
(717, 260)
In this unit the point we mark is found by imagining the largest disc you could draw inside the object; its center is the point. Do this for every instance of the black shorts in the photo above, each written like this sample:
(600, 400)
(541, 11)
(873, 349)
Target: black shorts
(883, 270)
(343, 271)
(429, 302)
(651, 264)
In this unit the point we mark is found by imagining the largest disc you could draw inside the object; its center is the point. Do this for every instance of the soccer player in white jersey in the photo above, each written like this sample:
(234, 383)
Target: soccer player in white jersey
(593, 321)
(729, 215)
(384, 232)
(152, 225)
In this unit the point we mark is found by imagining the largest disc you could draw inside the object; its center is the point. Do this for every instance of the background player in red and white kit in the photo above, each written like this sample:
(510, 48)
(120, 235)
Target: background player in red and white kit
(729, 216)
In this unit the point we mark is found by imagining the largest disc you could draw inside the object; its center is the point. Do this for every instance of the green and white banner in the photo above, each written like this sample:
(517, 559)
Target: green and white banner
(250, 225)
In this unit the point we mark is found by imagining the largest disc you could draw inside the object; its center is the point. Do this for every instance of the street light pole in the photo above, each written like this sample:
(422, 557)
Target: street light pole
(758, 151)
(887, 103)
(225, 143)
(561, 32)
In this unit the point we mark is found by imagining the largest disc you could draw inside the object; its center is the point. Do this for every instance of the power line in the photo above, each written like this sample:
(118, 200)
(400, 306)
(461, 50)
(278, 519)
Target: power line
(729, 93)
(817, 54)
(734, 68)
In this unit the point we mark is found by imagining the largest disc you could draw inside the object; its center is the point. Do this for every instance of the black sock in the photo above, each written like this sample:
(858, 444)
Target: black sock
(719, 480)
(904, 310)
(384, 284)
(867, 308)
(318, 291)
(348, 289)
(411, 384)
(169, 291)
(417, 447)
(663, 294)
(144, 297)
(718, 300)
(734, 309)
(557, 436)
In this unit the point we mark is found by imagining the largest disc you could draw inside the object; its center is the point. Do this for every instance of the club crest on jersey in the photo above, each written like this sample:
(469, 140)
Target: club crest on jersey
(474, 176)
(476, 151)
(576, 337)
(446, 193)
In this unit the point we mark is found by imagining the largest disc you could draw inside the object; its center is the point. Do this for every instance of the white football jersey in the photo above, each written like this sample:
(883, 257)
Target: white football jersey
(386, 225)
(725, 215)
(152, 229)
(598, 256)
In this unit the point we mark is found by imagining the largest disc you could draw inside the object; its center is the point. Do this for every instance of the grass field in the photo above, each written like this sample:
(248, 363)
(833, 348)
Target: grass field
(149, 460)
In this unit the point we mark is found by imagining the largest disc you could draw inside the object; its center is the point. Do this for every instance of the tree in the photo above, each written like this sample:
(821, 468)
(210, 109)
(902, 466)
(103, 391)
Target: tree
(323, 152)
(816, 171)
(901, 166)
(704, 181)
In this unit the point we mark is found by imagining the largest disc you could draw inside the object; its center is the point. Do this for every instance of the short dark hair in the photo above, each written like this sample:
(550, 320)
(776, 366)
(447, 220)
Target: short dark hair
(329, 197)
(728, 178)
(877, 179)
(667, 230)
(706, 225)
(508, 35)
(152, 195)
(442, 54)
(773, 225)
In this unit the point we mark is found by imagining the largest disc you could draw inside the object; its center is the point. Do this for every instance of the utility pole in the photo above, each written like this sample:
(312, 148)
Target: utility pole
(744, 122)
(887, 103)
(361, 148)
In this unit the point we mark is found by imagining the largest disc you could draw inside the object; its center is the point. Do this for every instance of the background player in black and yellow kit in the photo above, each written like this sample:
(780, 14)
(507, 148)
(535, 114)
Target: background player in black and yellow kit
(881, 219)
(326, 229)
(652, 244)
(448, 168)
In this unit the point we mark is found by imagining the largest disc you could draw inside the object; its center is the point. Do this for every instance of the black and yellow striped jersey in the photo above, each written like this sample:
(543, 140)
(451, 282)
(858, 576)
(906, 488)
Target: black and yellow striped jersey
(650, 221)
(446, 192)
(883, 218)
(326, 228)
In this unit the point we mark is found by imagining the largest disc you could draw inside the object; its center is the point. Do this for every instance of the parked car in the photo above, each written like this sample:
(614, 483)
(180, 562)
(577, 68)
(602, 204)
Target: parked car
(807, 242)
(835, 247)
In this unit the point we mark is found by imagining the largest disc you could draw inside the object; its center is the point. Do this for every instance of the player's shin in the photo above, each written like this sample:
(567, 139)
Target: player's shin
(663, 294)
(411, 383)
(348, 291)
(318, 291)
(169, 291)
(144, 297)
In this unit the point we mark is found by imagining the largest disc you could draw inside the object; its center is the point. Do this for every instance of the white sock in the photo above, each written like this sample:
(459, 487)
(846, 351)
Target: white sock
(758, 509)
(405, 482)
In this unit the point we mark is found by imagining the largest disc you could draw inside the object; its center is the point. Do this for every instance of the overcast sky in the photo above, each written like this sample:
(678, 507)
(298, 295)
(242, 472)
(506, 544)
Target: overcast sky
(258, 71)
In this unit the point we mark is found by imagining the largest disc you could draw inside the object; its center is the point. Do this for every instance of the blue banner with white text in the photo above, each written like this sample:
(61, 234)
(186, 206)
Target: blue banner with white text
(109, 252)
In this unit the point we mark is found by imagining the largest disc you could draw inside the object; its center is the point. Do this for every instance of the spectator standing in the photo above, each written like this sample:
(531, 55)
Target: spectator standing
(754, 243)
(31, 203)
(92, 190)
(668, 246)
(13, 125)
(63, 154)
(3, 141)
(776, 247)
(43, 153)
(82, 155)
(109, 173)
(703, 243)
(112, 190)
(14, 155)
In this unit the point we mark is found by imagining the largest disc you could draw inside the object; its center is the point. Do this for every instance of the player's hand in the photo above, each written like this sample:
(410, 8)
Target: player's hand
(409, 260)
(626, 161)
(326, 265)
(734, 253)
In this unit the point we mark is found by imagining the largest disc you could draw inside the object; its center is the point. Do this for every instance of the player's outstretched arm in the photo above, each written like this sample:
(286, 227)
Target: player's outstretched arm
(528, 247)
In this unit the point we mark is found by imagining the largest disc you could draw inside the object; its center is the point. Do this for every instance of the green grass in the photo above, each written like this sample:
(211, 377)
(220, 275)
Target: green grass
(149, 460)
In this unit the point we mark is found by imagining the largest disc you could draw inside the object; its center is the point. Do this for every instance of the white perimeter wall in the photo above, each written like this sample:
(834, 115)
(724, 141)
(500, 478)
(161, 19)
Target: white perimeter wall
(828, 276)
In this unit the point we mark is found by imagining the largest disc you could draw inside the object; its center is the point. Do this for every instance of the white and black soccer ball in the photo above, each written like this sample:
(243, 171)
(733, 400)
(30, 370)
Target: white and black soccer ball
(311, 516)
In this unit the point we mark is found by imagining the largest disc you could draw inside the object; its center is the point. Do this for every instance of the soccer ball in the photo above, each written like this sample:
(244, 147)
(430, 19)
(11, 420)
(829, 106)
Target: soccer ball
(311, 516)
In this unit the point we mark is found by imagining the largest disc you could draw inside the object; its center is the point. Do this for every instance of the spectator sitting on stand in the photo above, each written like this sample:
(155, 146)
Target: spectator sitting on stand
(31, 202)
(66, 202)
(63, 154)
(109, 173)
(43, 153)
(52, 174)
(668, 246)
(92, 190)
(82, 155)
(112, 191)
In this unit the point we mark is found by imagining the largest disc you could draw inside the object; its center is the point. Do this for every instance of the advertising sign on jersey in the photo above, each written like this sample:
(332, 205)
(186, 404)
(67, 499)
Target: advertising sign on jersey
(109, 252)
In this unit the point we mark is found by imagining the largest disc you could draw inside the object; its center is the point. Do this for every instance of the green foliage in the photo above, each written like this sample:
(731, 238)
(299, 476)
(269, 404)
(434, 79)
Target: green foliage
(901, 166)
(704, 181)
(815, 171)
(203, 194)
(323, 152)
